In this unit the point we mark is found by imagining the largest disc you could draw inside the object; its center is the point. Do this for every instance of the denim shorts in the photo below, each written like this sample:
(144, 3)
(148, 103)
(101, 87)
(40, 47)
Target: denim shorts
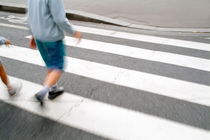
(52, 53)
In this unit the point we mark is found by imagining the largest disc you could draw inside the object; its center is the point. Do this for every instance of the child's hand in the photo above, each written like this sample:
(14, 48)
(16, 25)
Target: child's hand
(32, 43)
(78, 36)
(7, 43)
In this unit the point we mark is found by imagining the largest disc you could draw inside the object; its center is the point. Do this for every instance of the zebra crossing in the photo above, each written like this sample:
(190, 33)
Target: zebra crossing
(109, 120)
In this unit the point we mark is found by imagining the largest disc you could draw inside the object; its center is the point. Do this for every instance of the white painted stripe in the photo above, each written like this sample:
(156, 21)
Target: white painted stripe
(13, 26)
(174, 88)
(137, 37)
(157, 56)
(103, 119)
(27, 101)
(146, 38)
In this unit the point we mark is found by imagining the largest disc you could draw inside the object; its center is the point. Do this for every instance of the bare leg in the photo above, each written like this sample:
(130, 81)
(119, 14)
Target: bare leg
(52, 77)
(4, 77)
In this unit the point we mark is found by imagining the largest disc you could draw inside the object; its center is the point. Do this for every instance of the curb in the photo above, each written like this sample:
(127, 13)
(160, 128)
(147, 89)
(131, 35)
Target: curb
(13, 8)
(89, 17)
(70, 14)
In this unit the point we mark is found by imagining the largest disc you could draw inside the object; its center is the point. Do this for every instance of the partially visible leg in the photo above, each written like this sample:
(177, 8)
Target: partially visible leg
(52, 77)
(54, 87)
(49, 71)
(12, 90)
(55, 91)
(3, 76)
(44, 53)
(53, 56)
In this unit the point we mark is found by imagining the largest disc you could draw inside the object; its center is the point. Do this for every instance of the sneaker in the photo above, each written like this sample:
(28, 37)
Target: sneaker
(38, 98)
(16, 87)
(55, 93)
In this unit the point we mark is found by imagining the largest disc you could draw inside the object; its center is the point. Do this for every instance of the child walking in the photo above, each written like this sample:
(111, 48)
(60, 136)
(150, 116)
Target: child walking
(12, 90)
(47, 23)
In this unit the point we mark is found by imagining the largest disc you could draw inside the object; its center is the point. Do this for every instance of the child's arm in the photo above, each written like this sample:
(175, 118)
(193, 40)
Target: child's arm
(59, 16)
(58, 12)
(32, 43)
(7, 42)
(4, 41)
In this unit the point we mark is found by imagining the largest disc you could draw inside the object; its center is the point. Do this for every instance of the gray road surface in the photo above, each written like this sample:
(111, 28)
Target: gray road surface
(21, 125)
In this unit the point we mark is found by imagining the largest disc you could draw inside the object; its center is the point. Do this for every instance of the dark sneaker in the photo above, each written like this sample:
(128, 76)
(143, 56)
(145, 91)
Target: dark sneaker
(38, 98)
(55, 93)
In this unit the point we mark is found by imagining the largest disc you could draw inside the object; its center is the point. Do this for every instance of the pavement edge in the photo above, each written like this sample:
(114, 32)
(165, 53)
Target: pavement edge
(89, 17)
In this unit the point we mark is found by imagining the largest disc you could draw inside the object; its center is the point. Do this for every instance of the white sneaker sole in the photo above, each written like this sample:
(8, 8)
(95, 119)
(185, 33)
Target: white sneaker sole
(17, 85)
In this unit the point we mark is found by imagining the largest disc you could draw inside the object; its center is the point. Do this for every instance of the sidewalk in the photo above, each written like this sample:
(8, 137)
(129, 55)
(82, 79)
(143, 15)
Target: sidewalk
(164, 15)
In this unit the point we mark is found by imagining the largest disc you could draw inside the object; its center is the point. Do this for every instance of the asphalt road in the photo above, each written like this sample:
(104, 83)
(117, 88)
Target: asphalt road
(18, 124)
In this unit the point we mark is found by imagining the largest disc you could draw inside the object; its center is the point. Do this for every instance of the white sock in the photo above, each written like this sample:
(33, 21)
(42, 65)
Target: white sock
(54, 87)
(42, 93)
